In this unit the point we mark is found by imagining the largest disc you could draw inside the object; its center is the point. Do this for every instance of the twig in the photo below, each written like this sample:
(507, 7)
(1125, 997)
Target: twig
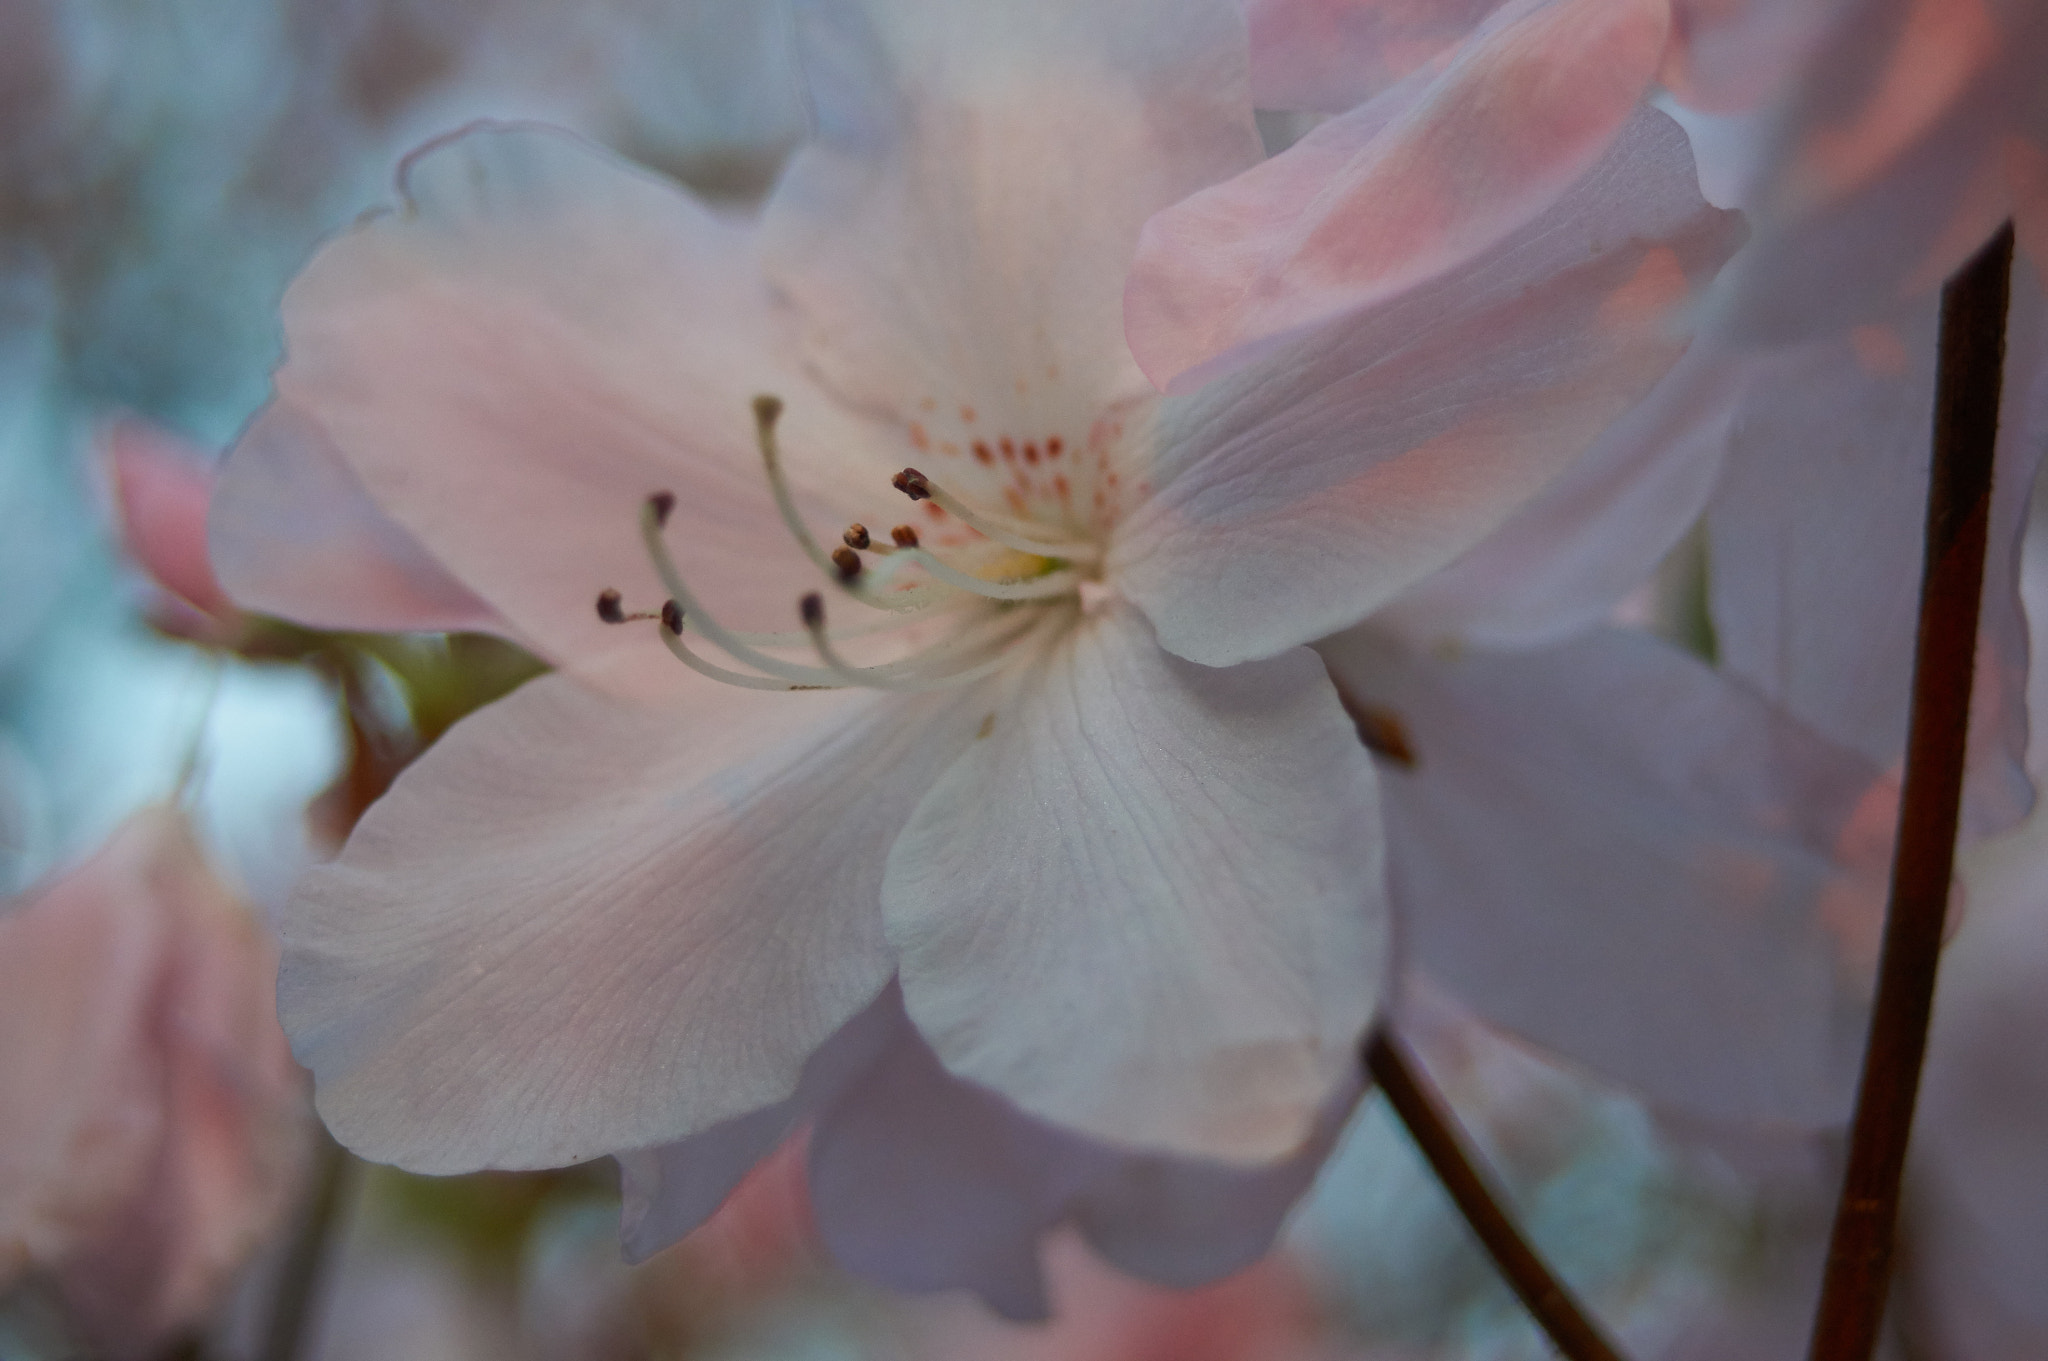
(299, 1279)
(1435, 1131)
(1973, 308)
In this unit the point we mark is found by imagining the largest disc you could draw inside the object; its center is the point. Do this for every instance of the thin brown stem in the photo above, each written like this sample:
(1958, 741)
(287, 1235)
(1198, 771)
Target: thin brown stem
(297, 1297)
(1972, 364)
(1435, 1130)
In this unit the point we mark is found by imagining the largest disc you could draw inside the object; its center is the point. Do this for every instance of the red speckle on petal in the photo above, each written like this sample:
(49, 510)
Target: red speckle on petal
(983, 452)
(935, 510)
(918, 439)
(1009, 449)
(1014, 499)
(1054, 446)
(967, 414)
(947, 446)
(1030, 451)
(1059, 484)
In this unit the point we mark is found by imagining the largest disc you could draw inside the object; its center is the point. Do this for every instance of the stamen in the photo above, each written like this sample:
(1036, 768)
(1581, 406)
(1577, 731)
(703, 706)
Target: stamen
(913, 673)
(918, 487)
(611, 609)
(664, 503)
(671, 636)
(841, 566)
(687, 605)
(856, 536)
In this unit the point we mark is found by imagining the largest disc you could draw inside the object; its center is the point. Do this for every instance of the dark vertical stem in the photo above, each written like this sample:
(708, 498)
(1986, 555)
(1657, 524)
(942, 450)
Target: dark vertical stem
(1972, 366)
(1435, 1131)
(304, 1268)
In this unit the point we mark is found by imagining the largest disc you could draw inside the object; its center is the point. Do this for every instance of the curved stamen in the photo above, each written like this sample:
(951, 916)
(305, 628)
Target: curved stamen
(767, 411)
(651, 517)
(918, 487)
(891, 676)
(673, 640)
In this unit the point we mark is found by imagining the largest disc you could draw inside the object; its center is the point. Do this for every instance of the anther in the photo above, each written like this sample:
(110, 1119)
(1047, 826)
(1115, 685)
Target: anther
(664, 503)
(856, 536)
(767, 409)
(848, 563)
(1380, 731)
(912, 484)
(812, 608)
(672, 617)
(610, 606)
(904, 536)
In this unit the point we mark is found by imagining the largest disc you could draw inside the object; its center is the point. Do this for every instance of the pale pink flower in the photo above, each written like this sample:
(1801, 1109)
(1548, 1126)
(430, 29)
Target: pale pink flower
(153, 1115)
(1129, 883)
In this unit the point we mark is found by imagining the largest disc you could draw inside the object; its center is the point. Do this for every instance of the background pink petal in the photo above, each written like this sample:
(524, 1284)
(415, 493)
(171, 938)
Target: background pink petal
(1328, 55)
(1297, 496)
(1815, 542)
(1633, 861)
(1527, 106)
(154, 1113)
(162, 487)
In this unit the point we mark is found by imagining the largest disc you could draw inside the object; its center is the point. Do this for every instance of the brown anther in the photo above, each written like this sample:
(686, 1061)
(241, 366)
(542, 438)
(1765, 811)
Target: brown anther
(664, 504)
(767, 409)
(672, 617)
(1381, 731)
(848, 563)
(812, 608)
(912, 484)
(856, 536)
(610, 607)
(904, 535)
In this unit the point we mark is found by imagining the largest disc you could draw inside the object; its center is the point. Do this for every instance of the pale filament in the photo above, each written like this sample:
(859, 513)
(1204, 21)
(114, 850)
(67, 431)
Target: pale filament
(891, 676)
(1019, 538)
(977, 648)
(767, 411)
(780, 674)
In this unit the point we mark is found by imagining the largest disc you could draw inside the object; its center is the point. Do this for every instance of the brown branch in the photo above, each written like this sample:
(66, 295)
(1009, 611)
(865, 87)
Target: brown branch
(304, 1269)
(1435, 1131)
(1973, 308)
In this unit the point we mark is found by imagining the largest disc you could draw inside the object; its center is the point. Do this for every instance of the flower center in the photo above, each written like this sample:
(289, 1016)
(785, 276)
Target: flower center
(949, 620)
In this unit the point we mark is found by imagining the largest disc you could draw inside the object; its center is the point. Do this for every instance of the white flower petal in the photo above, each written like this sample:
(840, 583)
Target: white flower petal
(1147, 906)
(1609, 848)
(293, 533)
(536, 341)
(576, 926)
(1295, 497)
(670, 1190)
(957, 235)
